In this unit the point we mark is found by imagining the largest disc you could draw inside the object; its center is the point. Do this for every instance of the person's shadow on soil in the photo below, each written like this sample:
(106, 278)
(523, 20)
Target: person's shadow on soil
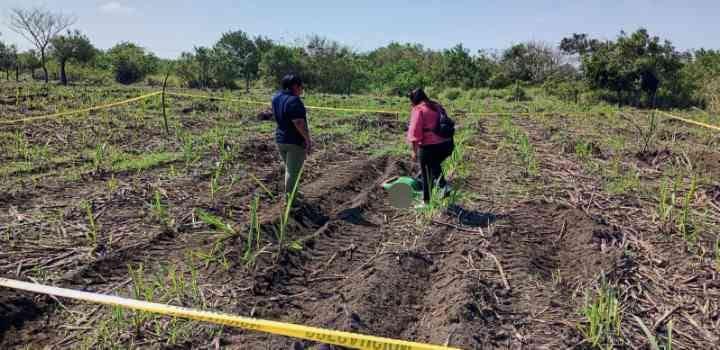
(354, 216)
(470, 217)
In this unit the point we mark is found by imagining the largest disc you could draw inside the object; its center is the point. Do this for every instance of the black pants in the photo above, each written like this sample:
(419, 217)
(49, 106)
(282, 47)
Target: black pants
(431, 158)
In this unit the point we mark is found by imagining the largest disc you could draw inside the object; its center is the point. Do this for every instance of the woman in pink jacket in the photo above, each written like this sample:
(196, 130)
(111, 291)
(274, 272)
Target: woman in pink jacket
(428, 147)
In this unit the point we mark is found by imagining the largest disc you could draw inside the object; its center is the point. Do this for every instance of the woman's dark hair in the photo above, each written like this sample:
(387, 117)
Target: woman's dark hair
(291, 80)
(419, 96)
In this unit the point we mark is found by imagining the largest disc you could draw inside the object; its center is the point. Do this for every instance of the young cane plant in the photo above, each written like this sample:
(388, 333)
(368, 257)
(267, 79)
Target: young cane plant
(285, 218)
(684, 224)
(92, 232)
(603, 317)
(252, 245)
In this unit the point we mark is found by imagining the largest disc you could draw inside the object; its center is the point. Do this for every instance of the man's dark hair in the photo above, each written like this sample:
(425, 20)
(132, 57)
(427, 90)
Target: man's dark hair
(291, 80)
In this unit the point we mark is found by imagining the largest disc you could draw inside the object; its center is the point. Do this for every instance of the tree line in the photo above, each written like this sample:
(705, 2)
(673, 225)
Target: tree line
(635, 68)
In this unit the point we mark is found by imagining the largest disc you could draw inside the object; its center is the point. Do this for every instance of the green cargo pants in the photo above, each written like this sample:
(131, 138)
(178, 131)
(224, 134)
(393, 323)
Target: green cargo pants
(293, 157)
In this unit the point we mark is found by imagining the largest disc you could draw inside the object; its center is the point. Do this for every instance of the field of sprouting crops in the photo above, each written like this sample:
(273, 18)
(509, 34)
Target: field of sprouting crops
(572, 225)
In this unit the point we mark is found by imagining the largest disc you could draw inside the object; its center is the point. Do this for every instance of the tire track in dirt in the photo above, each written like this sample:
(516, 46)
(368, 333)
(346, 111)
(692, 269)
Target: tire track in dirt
(654, 274)
(380, 274)
(102, 274)
(123, 215)
(332, 207)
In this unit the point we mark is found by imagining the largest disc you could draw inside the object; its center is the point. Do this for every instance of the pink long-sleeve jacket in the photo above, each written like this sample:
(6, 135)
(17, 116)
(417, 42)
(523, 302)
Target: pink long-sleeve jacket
(422, 121)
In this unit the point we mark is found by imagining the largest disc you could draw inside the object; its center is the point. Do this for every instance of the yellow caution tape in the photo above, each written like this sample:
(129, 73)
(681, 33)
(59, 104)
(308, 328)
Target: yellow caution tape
(345, 339)
(89, 109)
(337, 109)
(690, 121)
(363, 110)
(179, 94)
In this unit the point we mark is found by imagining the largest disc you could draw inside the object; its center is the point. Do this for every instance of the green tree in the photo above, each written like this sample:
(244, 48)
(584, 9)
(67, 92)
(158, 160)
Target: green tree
(607, 69)
(331, 67)
(458, 68)
(531, 62)
(633, 65)
(27, 61)
(8, 58)
(237, 56)
(74, 46)
(579, 44)
(263, 45)
(485, 66)
(131, 63)
(279, 61)
(194, 68)
(700, 79)
(397, 68)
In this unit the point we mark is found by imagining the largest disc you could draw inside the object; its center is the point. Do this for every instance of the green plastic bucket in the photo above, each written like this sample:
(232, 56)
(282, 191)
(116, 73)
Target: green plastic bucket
(403, 190)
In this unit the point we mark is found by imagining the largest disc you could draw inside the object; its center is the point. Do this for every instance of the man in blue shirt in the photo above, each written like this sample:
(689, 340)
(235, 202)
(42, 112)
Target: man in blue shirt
(292, 134)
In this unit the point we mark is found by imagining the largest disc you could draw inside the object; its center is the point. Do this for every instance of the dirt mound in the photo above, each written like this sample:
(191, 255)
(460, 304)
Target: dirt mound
(260, 150)
(714, 193)
(654, 158)
(201, 107)
(16, 308)
(382, 121)
(673, 135)
(573, 146)
(265, 115)
(706, 161)
(549, 253)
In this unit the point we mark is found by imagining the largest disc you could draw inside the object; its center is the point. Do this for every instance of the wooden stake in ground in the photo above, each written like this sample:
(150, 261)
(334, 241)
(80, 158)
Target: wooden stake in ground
(167, 129)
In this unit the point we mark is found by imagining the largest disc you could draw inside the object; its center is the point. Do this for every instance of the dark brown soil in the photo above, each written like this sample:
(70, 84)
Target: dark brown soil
(265, 115)
(707, 161)
(654, 158)
(509, 270)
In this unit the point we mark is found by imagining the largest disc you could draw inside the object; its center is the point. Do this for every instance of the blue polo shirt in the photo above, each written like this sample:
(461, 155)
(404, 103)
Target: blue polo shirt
(286, 108)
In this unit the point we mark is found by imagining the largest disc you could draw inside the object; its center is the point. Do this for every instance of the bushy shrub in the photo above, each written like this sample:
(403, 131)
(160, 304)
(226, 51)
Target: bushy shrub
(157, 81)
(499, 80)
(564, 89)
(710, 95)
(89, 75)
(452, 94)
(518, 93)
(131, 63)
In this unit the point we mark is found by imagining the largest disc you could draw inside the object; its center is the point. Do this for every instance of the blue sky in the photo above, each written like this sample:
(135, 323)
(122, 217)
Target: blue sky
(169, 27)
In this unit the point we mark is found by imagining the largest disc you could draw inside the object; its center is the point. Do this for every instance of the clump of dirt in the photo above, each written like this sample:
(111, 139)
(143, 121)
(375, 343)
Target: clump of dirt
(563, 238)
(549, 132)
(265, 115)
(16, 308)
(549, 253)
(573, 146)
(201, 107)
(381, 121)
(673, 135)
(655, 157)
(259, 151)
(706, 161)
(714, 193)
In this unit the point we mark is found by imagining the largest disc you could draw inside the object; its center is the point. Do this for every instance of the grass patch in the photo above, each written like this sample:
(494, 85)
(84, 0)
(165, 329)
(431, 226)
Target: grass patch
(603, 317)
(144, 161)
(520, 143)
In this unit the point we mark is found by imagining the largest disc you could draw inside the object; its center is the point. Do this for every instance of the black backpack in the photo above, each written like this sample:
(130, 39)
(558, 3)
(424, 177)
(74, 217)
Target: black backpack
(445, 127)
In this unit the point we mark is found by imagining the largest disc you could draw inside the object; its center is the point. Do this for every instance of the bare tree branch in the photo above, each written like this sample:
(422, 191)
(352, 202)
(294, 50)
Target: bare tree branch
(39, 26)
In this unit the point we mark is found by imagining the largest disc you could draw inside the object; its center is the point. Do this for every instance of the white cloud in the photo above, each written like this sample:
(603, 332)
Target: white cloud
(115, 7)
